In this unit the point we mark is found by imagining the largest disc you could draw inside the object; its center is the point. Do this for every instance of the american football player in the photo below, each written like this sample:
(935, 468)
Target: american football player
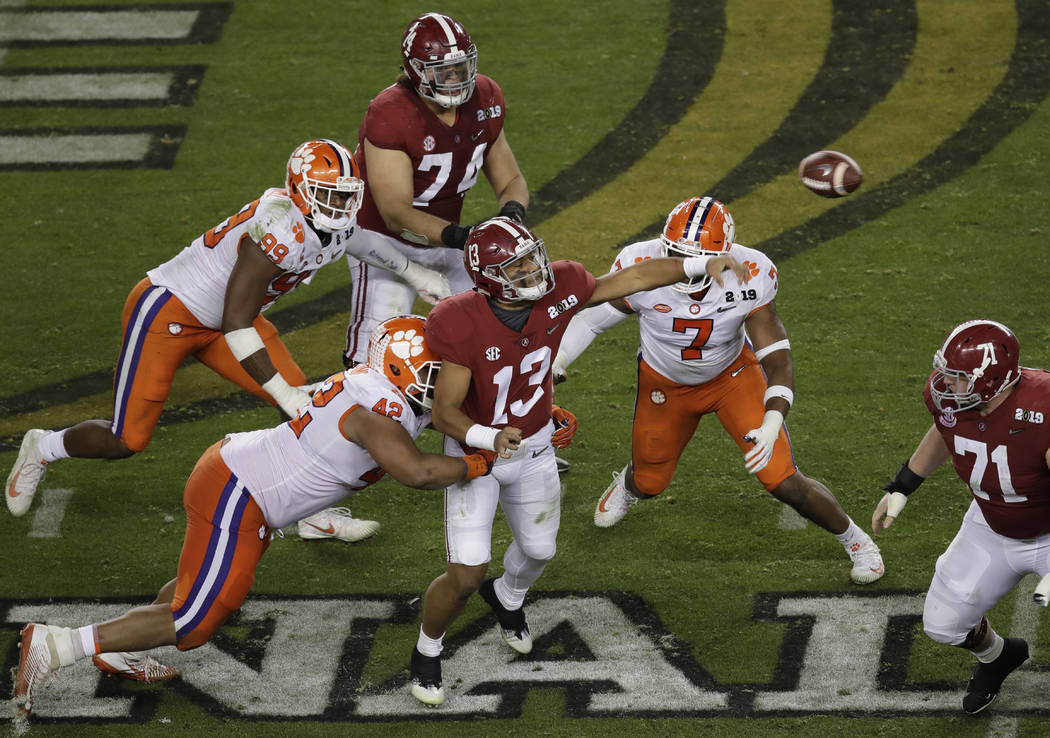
(421, 146)
(357, 426)
(991, 417)
(695, 358)
(495, 393)
(208, 302)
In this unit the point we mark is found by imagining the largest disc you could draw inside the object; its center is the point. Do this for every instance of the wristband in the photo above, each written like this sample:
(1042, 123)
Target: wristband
(904, 481)
(455, 236)
(481, 436)
(696, 266)
(772, 348)
(244, 342)
(779, 390)
(514, 210)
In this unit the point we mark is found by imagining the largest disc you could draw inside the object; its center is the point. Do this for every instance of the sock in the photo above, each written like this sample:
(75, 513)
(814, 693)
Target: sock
(53, 446)
(991, 653)
(512, 599)
(429, 646)
(852, 536)
(85, 641)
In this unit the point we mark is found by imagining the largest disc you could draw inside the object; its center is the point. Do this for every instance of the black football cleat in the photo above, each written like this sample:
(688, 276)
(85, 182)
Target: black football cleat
(426, 679)
(988, 678)
(513, 628)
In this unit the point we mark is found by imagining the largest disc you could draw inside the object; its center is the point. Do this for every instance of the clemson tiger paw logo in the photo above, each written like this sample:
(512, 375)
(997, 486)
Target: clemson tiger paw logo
(752, 267)
(406, 344)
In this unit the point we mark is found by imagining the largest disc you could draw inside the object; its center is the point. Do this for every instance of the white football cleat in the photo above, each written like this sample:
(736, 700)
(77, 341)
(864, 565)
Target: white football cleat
(28, 472)
(614, 502)
(867, 562)
(336, 522)
(36, 668)
(136, 665)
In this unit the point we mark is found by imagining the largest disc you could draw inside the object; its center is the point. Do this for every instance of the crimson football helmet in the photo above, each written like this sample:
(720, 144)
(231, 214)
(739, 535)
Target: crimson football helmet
(398, 349)
(507, 261)
(699, 226)
(440, 59)
(325, 184)
(976, 363)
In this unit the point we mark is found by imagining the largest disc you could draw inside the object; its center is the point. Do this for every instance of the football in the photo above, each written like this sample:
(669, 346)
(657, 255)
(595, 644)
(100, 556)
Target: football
(830, 174)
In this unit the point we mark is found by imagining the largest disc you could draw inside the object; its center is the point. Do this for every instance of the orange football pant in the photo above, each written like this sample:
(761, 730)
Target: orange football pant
(666, 415)
(226, 535)
(159, 334)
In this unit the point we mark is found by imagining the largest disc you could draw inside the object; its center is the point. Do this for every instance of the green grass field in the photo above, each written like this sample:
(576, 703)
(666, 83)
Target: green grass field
(708, 611)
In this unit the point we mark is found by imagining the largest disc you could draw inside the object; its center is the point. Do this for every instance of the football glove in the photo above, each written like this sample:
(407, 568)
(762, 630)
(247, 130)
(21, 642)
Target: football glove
(479, 464)
(514, 210)
(565, 427)
(432, 286)
(455, 235)
(763, 437)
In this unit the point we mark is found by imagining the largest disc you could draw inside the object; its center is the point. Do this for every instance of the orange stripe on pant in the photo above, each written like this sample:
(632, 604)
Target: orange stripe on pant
(666, 415)
(145, 371)
(226, 535)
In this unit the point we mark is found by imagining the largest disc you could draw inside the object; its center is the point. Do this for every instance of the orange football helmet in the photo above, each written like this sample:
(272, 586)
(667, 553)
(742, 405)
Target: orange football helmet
(399, 350)
(699, 226)
(325, 184)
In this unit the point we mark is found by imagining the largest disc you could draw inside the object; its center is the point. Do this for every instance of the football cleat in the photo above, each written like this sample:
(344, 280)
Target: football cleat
(513, 628)
(136, 665)
(988, 678)
(36, 668)
(867, 562)
(426, 679)
(614, 502)
(28, 472)
(336, 522)
(562, 464)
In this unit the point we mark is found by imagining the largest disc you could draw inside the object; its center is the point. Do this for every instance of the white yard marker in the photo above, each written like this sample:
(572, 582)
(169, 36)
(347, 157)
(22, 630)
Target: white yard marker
(98, 26)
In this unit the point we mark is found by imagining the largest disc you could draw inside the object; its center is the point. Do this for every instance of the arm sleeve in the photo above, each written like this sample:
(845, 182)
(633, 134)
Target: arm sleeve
(585, 326)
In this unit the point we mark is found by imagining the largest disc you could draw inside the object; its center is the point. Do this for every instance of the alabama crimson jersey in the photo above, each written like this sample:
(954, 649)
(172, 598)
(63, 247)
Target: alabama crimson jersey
(1002, 456)
(306, 464)
(689, 341)
(446, 160)
(198, 274)
(510, 371)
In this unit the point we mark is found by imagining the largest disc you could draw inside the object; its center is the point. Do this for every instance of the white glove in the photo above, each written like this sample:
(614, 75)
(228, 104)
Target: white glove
(888, 509)
(310, 388)
(763, 437)
(287, 397)
(558, 369)
(431, 286)
(1041, 596)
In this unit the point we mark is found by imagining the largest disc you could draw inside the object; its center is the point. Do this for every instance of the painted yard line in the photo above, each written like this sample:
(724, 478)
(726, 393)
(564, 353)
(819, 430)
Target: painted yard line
(47, 522)
(97, 25)
(73, 148)
(100, 87)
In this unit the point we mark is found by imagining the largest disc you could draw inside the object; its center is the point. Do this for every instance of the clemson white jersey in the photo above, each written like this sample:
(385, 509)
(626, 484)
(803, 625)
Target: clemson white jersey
(199, 273)
(688, 341)
(307, 464)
